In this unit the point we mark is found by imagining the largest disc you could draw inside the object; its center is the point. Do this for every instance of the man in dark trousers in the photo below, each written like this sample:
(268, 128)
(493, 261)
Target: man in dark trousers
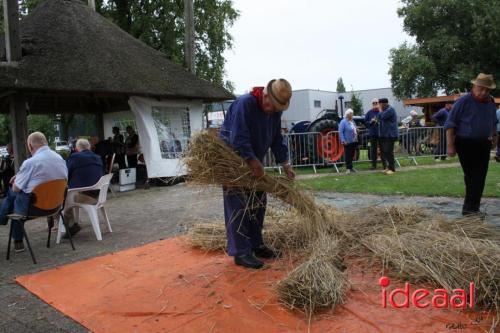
(470, 129)
(85, 168)
(388, 133)
(440, 118)
(252, 126)
(132, 147)
(372, 125)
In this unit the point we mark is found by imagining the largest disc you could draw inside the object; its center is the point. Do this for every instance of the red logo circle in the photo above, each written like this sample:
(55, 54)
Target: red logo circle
(384, 281)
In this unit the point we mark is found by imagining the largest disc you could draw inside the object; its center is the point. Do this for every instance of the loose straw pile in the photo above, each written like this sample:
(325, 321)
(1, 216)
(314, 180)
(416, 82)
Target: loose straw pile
(409, 242)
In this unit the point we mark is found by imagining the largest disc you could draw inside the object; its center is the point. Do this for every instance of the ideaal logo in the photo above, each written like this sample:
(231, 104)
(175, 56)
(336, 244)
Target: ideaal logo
(423, 298)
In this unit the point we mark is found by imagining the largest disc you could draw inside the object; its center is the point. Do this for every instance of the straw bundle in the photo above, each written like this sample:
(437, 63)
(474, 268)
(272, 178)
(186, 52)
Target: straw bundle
(318, 282)
(212, 162)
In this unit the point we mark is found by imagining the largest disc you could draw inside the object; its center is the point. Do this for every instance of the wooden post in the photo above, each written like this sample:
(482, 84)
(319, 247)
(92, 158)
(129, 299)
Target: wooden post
(11, 27)
(189, 52)
(17, 104)
(19, 129)
(92, 4)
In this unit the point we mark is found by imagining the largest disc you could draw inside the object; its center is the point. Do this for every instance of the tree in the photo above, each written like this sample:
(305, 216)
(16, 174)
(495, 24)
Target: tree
(340, 86)
(160, 24)
(42, 123)
(454, 41)
(356, 103)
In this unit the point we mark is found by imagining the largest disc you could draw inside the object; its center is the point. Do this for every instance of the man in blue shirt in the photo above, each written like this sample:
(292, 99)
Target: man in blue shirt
(372, 125)
(388, 133)
(440, 118)
(470, 128)
(85, 168)
(252, 126)
(497, 157)
(43, 166)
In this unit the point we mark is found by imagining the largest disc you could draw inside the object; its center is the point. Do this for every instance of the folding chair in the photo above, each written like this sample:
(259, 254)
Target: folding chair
(48, 200)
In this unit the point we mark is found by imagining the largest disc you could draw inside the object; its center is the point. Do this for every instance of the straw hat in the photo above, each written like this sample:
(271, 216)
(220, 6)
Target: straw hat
(484, 80)
(279, 92)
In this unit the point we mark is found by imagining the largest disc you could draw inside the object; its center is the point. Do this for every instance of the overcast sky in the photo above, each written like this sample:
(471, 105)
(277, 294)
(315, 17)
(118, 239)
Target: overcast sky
(311, 43)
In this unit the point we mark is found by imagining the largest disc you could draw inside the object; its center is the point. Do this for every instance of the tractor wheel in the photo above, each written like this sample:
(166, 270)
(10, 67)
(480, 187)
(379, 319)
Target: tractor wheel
(327, 145)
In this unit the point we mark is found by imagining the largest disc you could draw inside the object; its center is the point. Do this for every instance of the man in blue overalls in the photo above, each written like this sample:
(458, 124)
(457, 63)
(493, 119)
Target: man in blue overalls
(252, 126)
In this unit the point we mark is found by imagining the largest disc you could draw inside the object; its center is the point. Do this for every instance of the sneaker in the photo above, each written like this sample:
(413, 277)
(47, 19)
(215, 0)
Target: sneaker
(348, 171)
(437, 159)
(389, 172)
(385, 171)
(72, 230)
(18, 246)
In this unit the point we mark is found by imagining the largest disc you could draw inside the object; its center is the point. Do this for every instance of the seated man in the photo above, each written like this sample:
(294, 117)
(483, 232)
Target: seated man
(43, 166)
(85, 168)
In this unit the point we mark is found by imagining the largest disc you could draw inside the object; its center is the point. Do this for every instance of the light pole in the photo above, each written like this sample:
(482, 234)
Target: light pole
(341, 106)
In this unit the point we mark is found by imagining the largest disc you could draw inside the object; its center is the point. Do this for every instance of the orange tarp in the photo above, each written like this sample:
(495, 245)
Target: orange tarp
(167, 286)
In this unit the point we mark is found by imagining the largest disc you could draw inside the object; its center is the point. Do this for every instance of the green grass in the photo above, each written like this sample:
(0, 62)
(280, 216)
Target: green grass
(424, 182)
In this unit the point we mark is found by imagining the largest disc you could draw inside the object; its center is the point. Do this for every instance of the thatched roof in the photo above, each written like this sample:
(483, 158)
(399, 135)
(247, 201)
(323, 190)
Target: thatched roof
(67, 48)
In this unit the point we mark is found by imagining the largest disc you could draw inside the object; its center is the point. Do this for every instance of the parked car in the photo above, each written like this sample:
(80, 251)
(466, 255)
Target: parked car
(61, 146)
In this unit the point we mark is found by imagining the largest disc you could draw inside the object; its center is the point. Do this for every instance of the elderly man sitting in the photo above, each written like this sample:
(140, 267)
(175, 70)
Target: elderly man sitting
(43, 166)
(84, 169)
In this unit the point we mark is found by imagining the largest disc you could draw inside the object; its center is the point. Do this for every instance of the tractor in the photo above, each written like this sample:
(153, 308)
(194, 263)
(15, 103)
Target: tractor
(325, 146)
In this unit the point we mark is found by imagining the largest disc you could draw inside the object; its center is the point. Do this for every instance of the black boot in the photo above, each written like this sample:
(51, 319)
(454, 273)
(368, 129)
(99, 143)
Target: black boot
(248, 260)
(265, 252)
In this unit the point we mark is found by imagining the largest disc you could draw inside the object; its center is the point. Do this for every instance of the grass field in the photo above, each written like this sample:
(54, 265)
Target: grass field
(425, 182)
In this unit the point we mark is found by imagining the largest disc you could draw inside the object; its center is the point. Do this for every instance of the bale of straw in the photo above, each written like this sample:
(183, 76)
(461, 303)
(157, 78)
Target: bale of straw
(208, 236)
(318, 282)
(212, 162)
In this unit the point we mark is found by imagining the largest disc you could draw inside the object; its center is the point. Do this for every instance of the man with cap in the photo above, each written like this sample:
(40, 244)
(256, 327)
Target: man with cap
(388, 133)
(470, 128)
(253, 126)
(440, 118)
(372, 125)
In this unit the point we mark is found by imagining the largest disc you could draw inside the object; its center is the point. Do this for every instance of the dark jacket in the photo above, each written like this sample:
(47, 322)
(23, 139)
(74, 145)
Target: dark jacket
(251, 131)
(372, 126)
(388, 123)
(84, 169)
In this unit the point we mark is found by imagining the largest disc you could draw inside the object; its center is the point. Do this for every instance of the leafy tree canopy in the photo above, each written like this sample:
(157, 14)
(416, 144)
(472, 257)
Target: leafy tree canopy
(454, 41)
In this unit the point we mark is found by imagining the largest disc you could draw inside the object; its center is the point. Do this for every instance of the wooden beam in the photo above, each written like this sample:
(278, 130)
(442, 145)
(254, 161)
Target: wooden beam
(189, 51)
(19, 129)
(11, 27)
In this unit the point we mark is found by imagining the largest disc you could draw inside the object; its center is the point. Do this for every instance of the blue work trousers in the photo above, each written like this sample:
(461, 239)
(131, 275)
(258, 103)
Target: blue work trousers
(244, 213)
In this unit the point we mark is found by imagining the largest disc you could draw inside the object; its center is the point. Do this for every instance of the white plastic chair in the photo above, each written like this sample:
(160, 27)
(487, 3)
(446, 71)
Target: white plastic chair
(91, 209)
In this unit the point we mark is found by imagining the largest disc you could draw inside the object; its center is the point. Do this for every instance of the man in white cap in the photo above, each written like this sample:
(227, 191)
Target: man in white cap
(470, 128)
(253, 126)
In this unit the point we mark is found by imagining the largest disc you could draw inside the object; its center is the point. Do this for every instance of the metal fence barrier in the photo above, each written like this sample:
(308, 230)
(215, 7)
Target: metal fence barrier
(317, 149)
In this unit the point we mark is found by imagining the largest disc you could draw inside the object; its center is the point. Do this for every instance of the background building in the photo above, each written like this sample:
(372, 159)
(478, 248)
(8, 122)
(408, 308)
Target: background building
(306, 104)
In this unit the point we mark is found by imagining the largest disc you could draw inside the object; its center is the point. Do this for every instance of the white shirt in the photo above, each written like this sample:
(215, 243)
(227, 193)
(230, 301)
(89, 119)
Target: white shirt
(43, 166)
